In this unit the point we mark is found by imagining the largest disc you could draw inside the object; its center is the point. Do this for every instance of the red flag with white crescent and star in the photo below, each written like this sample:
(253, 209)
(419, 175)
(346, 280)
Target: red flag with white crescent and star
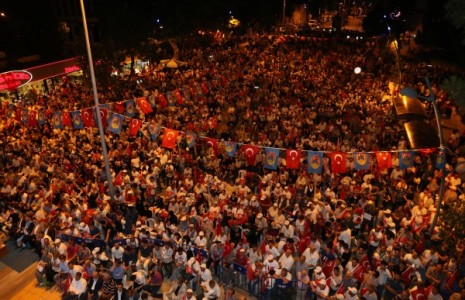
(250, 153)
(144, 105)
(134, 127)
(384, 160)
(87, 117)
(338, 162)
(170, 138)
(292, 159)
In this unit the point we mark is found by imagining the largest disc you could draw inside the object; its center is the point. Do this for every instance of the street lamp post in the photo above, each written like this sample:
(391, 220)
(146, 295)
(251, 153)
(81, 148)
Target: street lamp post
(410, 92)
(97, 105)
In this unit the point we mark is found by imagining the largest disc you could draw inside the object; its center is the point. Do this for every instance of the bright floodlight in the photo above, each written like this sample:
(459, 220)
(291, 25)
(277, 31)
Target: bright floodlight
(357, 70)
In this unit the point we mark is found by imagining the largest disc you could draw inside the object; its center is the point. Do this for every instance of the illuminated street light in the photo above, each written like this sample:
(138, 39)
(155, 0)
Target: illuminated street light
(357, 70)
(410, 92)
(2, 14)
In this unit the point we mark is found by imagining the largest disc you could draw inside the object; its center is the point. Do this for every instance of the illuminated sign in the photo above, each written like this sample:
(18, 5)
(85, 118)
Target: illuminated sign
(14, 79)
(72, 69)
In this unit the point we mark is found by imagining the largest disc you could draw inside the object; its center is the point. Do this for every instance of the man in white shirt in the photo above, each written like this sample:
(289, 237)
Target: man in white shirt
(212, 290)
(311, 258)
(205, 275)
(117, 252)
(286, 260)
(77, 287)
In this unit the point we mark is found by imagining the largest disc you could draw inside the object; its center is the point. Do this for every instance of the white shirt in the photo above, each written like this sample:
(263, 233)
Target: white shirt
(286, 261)
(78, 287)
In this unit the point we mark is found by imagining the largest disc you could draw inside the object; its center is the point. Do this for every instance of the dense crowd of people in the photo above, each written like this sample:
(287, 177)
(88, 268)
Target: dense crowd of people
(202, 221)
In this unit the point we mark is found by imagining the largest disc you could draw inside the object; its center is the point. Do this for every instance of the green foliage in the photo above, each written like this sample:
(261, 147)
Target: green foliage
(453, 219)
(454, 11)
(455, 87)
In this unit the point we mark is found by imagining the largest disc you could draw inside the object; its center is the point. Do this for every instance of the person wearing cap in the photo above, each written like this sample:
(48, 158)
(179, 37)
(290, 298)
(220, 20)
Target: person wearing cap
(287, 229)
(261, 226)
(204, 276)
(189, 295)
(200, 239)
(320, 289)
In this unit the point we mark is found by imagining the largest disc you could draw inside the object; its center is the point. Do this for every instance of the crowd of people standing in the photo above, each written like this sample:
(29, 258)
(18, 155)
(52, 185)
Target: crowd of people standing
(201, 221)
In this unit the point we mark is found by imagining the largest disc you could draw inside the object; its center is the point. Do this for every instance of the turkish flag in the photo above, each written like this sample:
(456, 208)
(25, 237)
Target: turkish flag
(32, 118)
(418, 293)
(362, 265)
(384, 160)
(406, 275)
(170, 138)
(66, 119)
(87, 118)
(162, 100)
(119, 107)
(212, 143)
(328, 267)
(103, 116)
(338, 162)
(177, 94)
(292, 159)
(134, 127)
(144, 105)
(250, 153)
(119, 178)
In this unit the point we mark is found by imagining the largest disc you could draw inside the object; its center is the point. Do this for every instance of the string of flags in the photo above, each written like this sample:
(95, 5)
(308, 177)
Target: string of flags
(113, 116)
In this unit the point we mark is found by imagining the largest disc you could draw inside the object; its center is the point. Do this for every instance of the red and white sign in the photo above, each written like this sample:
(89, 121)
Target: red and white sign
(12, 80)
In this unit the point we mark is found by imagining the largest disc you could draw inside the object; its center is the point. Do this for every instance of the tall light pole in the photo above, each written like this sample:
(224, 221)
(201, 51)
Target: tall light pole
(410, 92)
(97, 104)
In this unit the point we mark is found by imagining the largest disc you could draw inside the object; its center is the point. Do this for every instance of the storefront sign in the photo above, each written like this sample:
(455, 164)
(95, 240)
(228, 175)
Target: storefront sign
(12, 80)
